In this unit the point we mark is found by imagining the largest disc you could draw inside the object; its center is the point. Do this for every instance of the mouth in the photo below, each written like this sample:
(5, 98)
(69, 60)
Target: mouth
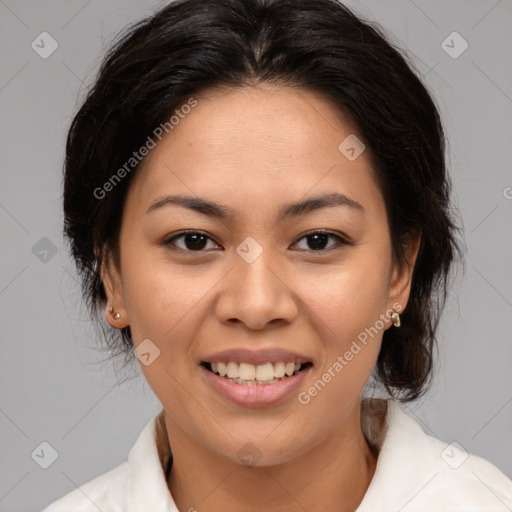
(248, 374)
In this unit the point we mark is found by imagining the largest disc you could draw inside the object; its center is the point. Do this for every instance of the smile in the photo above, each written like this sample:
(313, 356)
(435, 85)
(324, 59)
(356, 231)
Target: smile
(255, 385)
(249, 374)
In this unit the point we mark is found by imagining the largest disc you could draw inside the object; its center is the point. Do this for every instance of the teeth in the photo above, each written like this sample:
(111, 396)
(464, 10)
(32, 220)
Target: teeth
(279, 370)
(233, 370)
(247, 371)
(264, 371)
(250, 374)
(222, 368)
(289, 368)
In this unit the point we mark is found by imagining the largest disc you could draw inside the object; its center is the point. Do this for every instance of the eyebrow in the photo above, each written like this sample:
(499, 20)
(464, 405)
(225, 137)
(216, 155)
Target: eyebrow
(286, 211)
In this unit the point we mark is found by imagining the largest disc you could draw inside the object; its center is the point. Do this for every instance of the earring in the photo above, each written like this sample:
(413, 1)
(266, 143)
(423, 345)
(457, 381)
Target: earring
(395, 317)
(114, 313)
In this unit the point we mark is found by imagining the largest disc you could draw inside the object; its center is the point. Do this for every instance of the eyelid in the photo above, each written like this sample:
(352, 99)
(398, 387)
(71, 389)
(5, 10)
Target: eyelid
(334, 234)
(168, 240)
(341, 240)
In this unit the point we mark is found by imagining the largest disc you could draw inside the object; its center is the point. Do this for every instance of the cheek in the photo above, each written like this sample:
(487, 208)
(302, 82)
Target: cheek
(350, 304)
(350, 296)
(349, 300)
(164, 304)
(161, 304)
(160, 297)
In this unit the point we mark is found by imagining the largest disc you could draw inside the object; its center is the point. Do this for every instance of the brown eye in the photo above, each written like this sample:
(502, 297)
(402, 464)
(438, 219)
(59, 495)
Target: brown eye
(196, 241)
(193, 241)
(317, 240)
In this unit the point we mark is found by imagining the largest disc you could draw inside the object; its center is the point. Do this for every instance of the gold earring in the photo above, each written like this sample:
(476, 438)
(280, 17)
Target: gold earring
(114, 313)
(395, 317)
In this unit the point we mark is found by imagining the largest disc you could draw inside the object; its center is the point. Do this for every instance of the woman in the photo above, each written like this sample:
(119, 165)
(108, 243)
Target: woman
(223, 140)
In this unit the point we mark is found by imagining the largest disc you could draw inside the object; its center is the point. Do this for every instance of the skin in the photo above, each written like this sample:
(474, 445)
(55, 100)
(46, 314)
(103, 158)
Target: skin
(254, 149)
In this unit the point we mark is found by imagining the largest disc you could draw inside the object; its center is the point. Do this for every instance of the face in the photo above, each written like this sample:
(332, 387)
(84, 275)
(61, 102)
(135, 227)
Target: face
(257, 287)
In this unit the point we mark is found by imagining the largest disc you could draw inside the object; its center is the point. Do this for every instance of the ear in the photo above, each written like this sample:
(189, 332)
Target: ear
(112, 282)
(401, 276)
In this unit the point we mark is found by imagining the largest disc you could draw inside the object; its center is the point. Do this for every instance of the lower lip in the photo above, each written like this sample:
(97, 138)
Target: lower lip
(255, 396)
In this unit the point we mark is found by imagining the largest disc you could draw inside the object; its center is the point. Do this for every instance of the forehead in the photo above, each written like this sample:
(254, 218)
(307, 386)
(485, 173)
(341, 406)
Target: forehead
(250, 147)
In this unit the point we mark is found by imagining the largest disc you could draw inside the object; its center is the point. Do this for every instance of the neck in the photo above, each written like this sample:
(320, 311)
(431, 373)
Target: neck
(333, 475)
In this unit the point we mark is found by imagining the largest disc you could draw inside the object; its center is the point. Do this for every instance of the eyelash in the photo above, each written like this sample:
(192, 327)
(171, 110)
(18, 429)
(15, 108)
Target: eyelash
(169, 242)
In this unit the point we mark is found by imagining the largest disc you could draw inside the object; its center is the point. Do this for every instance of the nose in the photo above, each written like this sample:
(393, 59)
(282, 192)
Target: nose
(257, 293)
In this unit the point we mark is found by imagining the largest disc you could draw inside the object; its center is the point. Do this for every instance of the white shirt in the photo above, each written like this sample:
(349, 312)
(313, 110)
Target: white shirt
(414, 472)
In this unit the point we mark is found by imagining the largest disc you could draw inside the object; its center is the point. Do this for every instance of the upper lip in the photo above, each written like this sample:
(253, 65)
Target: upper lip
(269, 355)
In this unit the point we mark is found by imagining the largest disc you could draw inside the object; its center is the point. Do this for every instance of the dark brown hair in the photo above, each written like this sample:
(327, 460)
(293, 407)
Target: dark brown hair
(188, 46)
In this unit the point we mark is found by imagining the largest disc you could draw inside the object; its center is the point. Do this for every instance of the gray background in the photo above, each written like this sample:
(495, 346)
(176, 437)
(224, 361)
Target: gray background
(54, 385)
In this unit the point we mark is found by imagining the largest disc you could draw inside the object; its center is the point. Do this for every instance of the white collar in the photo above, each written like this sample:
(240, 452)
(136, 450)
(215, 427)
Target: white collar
(411, 473)
(149, 456)
(147, 484)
